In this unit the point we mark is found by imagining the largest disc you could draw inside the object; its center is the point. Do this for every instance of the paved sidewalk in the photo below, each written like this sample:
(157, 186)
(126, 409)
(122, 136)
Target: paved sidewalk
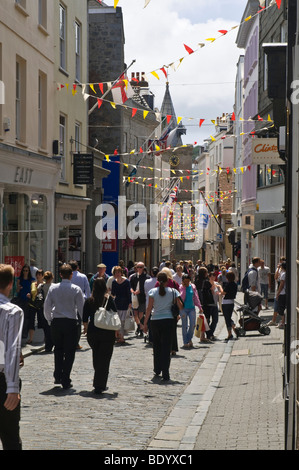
(234, 400)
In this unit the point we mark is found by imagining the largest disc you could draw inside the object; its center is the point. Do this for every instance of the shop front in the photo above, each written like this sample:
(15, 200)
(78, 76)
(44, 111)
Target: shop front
(27, 186)
(70, 230)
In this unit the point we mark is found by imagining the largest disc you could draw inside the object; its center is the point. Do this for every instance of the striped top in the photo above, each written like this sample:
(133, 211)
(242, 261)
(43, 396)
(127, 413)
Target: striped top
(11, 324)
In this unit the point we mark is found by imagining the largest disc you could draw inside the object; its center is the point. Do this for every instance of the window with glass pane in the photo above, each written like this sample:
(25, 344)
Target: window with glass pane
(62, 140)
(18, 101)
(78, 50)
(62, 36)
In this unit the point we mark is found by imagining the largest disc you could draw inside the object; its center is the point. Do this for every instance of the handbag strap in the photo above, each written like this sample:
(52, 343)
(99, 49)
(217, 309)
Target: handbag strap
(173, 296)
(104, 306)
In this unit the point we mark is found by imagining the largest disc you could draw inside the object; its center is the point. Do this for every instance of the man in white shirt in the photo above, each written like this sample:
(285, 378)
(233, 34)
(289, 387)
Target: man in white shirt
(80, 279)
(63, 303)
(253, 274)
(11, 324)
(264, 278)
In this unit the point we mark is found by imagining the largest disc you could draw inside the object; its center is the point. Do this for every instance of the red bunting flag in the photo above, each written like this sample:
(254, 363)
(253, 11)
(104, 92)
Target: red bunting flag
(259, 118)
(222, 31)
(201, 122)
(115, 152)
(233, 118)
(164, 71)
(100, 102)
(188, 49)
(101, 88)
(278, 3)
(140, 150)
(134, 111)
(168, 118)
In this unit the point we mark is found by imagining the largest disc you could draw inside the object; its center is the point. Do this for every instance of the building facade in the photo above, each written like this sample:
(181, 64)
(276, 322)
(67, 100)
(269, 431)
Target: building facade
(70, 127)
(28, 173)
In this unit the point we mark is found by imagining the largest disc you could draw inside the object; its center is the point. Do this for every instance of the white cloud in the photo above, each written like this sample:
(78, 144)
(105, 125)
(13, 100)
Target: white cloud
(203, 85)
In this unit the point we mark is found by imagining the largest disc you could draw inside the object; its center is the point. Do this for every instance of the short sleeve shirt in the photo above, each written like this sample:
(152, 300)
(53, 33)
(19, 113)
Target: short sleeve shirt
(162, 304)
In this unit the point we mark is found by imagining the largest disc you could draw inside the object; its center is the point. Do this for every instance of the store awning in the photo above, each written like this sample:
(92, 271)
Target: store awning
(269, 229)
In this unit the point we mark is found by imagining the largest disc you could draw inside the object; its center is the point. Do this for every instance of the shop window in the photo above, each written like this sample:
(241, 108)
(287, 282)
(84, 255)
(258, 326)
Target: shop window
(24, 228)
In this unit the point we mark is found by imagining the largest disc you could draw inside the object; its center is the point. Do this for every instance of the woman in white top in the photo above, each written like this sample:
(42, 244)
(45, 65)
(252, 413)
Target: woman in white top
(159, 306)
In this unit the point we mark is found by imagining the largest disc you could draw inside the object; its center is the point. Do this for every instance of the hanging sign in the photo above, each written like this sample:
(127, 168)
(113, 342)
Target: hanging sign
(83, 168)
(265, 151)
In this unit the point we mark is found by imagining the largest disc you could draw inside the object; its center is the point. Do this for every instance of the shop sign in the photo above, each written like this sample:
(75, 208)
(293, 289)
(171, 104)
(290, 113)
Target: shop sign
(83, 168)
(265, 151)
(17, 262)
(110, 244)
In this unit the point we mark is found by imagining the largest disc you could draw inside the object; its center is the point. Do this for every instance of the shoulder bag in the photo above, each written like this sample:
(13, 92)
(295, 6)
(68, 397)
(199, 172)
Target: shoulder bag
(107, 319)
(174, 307)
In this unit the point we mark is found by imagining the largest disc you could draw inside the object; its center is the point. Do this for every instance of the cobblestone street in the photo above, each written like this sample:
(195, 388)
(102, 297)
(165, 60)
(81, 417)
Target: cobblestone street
(127, 416)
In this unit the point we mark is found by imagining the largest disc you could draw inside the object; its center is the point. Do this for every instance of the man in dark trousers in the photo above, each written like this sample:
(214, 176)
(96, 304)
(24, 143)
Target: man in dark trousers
(11, 324)
(137, 281)
(63, 302)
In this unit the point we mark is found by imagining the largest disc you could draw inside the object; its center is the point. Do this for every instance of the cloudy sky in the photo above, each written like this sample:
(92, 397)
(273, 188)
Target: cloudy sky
(202, 87)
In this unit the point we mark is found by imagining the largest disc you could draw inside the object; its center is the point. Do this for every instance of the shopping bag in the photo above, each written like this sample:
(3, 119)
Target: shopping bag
(129, 321)
(199, 326)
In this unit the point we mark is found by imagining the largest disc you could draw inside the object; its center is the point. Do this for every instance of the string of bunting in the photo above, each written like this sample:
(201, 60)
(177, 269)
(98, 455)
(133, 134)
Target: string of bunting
(210, 40)
(145, 113)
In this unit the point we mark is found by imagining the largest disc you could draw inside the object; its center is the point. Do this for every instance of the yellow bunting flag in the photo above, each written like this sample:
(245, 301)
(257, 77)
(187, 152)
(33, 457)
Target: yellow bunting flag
(213, 140)
(145, 113)
(211, 39)
(115, 3)
(92, 87)
(107, 158)
(155, 75)
(113, 105)
(248, 18)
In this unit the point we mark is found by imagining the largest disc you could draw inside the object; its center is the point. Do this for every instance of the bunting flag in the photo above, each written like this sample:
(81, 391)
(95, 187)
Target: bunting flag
(188, 49)
(122, 91)
(278, 2)
(146, 3)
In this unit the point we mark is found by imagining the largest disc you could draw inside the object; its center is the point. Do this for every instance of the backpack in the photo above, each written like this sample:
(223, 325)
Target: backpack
(245, 281)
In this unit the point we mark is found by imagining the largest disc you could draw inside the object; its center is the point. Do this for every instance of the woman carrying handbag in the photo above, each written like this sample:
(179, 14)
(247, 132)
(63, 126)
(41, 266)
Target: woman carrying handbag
(100, 340)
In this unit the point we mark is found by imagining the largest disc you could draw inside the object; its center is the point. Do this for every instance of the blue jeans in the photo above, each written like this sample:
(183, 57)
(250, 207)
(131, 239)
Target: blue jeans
(188, 317)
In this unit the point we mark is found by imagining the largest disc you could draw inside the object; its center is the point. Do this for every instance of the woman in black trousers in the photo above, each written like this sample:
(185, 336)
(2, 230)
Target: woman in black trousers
(101, 341)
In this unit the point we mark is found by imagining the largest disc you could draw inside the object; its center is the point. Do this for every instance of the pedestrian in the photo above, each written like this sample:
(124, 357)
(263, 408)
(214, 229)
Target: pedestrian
(190, 299)
(201, 276)
(253, 274)
(24, 282)
(11, 325)
(121, 292)
(230, 290)
(159, 307)
(211, 295)
(264, 281)
(233, 268)
(62, 306)
(44, 288)
(33, 308)
(101, 341)
(178, 275)
(101, 273)
(137, 281)
(148, 285)
(80, 279)
(280, 296)
(173, 285)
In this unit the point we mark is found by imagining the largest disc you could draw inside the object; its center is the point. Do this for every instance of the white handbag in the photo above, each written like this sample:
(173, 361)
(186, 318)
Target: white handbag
(107, 319)
(129, 321)
(135, 302)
